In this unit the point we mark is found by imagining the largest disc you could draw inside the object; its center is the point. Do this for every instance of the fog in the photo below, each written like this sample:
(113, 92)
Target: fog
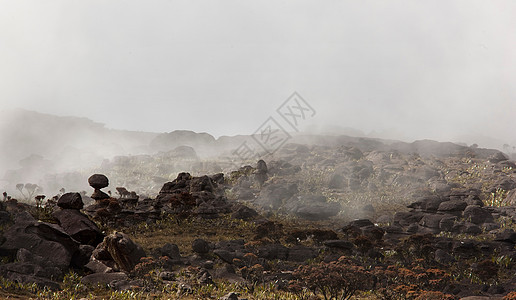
(442, 70)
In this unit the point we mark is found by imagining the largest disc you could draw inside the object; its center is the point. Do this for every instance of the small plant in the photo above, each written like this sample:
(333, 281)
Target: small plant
(497, 198)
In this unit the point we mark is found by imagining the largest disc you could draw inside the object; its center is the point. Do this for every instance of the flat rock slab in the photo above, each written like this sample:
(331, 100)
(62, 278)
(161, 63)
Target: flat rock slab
(103, 278)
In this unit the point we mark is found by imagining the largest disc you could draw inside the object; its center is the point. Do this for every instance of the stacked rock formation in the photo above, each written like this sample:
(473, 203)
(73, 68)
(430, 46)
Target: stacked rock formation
(98, 181)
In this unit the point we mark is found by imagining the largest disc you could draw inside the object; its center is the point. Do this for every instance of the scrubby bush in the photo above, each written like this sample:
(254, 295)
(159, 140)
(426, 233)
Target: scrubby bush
(335, 280)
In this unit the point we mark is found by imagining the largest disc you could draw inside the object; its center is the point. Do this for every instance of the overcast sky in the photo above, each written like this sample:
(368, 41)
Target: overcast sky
(426, 69)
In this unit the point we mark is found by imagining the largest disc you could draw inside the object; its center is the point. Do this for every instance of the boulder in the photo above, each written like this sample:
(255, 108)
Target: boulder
(70, 201)
(169, 250)
(200, 246)
(243, 212)
(98, 181)
(477, 215)
(497, 157)
(273, 251)
(340, 244)
(452, 206)
(103, 278)
(406, 218)
(79, 226)
(46, 240)
(301, 253)
(123, 250)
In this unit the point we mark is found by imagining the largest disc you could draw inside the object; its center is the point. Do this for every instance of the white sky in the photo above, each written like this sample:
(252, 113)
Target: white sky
(427, 69)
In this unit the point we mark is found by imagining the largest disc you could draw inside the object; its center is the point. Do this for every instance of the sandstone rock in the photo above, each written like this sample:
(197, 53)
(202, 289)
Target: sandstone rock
(452, 206)
(98, 181)
(443, 257)
(170, 250)
(361, 223)
(98, 267)
(243, 212)
(405, 218)
(497, 157)
(431, 220)
(508, 236)
(78, 226)
(447, 223)
(477, 215)
(70, 201)
(340, 244)
(123, 250)
(43, 239)
(273, 251)
(200, 246)
(225, 255)
(103, 278)
(301, 253)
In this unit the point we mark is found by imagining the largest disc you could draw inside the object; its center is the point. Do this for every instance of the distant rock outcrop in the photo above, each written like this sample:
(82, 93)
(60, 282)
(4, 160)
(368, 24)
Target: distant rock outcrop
(174, 139)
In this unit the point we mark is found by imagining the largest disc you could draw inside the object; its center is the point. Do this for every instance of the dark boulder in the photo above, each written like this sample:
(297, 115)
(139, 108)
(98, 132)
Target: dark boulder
(301, 253)
(340, 244)
(103, 278)
(508, 236)
(98, 181)
(273, 251)
(477, 215)
(70, 201)
(243, 212)
(406, 218)
(123, 250)
(200, 246)
(169, 250)
(42, 239)
(497, 157)
(79, 226)
(361, 223)
(452, 206)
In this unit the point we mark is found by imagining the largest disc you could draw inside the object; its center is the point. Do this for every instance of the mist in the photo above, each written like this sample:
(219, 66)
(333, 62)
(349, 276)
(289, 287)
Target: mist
(400, 70)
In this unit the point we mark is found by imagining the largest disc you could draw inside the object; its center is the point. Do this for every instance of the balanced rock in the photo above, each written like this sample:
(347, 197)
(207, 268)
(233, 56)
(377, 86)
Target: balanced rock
(98, 181)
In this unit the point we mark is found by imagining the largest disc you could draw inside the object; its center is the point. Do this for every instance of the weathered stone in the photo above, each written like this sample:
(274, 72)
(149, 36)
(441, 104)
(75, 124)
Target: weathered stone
(273, 251)
(406, 218)
(447, 223)
(452, 206)
(98, 181)
(99, 195)
(301, 253)
(98, 267)
(443, 257)
(124, 251)
(225, 255)
(70, 201)
(243, 212)
(200, 246)
(340, 244)
(43, 239)
(470, 228)
(431, 220)
(170, 250)
(361, 223)
(477, 215)
(79, 226)
(508, 236)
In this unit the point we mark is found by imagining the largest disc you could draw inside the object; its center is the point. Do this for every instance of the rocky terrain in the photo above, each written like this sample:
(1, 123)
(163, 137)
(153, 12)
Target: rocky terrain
(332, 218)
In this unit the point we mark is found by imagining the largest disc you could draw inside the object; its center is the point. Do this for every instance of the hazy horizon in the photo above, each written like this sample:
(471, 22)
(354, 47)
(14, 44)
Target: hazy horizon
(411, 70)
